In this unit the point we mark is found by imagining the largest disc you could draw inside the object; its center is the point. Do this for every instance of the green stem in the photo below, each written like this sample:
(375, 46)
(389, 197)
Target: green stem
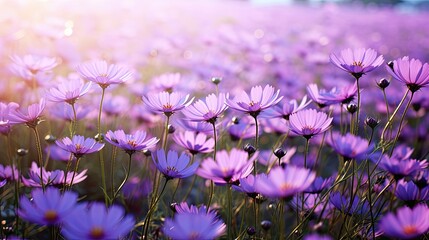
(112, 171)
(255, 170)
(127, 175)
(73, 122)
(75, 171)
(165, 134)
(100, 153)
(39, 155)
(281, 220)
(370, 201)
(389, 122)
(400, 123)
(306, 152)
(229, 214)
(152, 209)
(356, 131)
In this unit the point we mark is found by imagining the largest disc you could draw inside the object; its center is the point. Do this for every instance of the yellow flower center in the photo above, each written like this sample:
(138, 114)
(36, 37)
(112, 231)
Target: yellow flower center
(358, 63)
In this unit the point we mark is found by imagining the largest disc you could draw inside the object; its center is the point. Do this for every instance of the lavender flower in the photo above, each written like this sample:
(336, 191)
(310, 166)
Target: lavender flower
(194, 142)
(258, 101)
(412, 72)
(207, 111)
(247, 185)
(173, 166)
(406, 223)
(8, 173)
(31, 117)
(28, 66)
(309, 122)
(185, 208)
(357, 61)
(342, 203)
(342, 95)
(130, 143)
(96, 221)
(166, 82)
(320, 184)
(410, 193)
(47, 207)
(167, 103)
(287, 109)
(284, 182)
(69, 91)
(55, 178)
(79, 145)
(400, 168)
(350, 146)
(5, 109)
(227, 168)
(104, 74)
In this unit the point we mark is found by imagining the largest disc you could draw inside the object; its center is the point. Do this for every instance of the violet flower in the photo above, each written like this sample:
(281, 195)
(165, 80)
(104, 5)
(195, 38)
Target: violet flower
(358, 61)
(8, 173)
(207, 111)
(412, 72)
(55, 178)
(5, 109)
(79, 145)
(309, 122)
(350, 146)
(28, 66)
(131, 143)
(401, 168)
(410, 193)
(68, 91)
(167, 103)
(31, 117)
(172, 166)
(104, 74)
(48, 207)
(287, 109)
(194, 142)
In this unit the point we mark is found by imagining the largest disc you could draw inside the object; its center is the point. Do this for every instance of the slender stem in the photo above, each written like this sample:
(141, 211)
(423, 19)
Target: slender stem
(255, 170)
(190, 188)
(214, 158)
(356, 131)
(39, 155)
(152, 209)
(100, 153)
(100, 110)
(229, 214)
(400, 123)
(165, 134)
(73, 122)
(370, 201)
(175, 190)
(389, 122)
(112, 171)
(255, 212)
(69, 162)
(306, 151)
(372, 135)
(75, 171)
(281, 216)
(127, 175)
(387, 104)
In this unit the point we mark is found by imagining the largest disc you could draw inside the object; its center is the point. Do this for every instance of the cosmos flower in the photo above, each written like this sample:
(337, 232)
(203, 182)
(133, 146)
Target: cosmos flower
(173, 166)
(194, 142)
(342, 203)
(104, 74)
(400, 168)
(194, 225)
(227, 168)
(287, 109)
(284, 182)
(412, 72)
(130, 143)
(8, 173)
(166, 82)
(247, 185)
(79, 145)
(410, 193)
(309, 122)
(31, 117)
(258, 100)
(342, 95)
(198, 127)
(183, 207)
(315, 236)
(29, 66)
(68, 91)
(350, 146)
(96, 221)
(406, 223)
(207, 111)
(320, 184)
(5, 109)
(48, 207)
(55, 178)
(167, 103)
(64, 111)
(358, 61)
(244, 129)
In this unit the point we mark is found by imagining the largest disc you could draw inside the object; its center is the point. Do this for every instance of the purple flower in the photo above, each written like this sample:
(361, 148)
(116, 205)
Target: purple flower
(309, 122)
(320, 184)
(400, 168)
(350, 146)
(227, 168)
(412, 72)
(104, 74)
(207, 111)
(316, 95)
(194, 225)
(314, 236)
(97, 222)
(203, 127)
(406, 223)
(54, 178)
(173, 166)
(185, 208)
(357, 61)
(48, 207)
(244, 129)
(69, 91)
(258, 101)
(194, 142)
(8, 173)
(342, 203)
(287, 109)
(5, 109)
(342, 95)
(410, 193)
(64, 111)
(247, 185)
(31, 117)
(79, 145)
(284, 182)
(167, 103)
(130, 143)
(166, 82)
(57, 153)
(30, 65)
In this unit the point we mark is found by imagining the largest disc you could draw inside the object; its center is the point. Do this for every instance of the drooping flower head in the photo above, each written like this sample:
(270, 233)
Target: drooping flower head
(350, 146)
(131, 143)
(104, 74)
(79, 145)
(167, 103)
(194, 225)
(357, 61)
(207, 111)
(194, 142)
(48, 207)
(412, 72)
(69, 91)
(406, 223)
(284, 182)
(309, 122)
(258, 100)
(96, 221)
(31, 117)
(173, 166)
(228, 167)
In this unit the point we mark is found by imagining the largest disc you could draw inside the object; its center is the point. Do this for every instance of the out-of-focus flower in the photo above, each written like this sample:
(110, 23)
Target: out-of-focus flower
(412, 72)
(342, 203)
(410, 193)
(57, 153)
(131, 143)
(315, 236)
(8, 173)
(104, 74)
(244, 129)
(258, 100)
(5, 109)
(31, 117)
(69, 90)
(30, 66)
(406, 223)
(55, 178)
(342, 95)
(115, 105)
(48, 207)
(185, 208)
(207, 111)
(64, 111)
(358, 61)
(194, 225)
(401, 168)
(247, 185)
(173, 166)
(350, 146)
(227, 168)
(96, 221)
(198, 127)
(79, 145)
(284, 182)
(309, 122)
(166, 82)
(167, 103)
(194, 142)
(320, 184)
(287, 109)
